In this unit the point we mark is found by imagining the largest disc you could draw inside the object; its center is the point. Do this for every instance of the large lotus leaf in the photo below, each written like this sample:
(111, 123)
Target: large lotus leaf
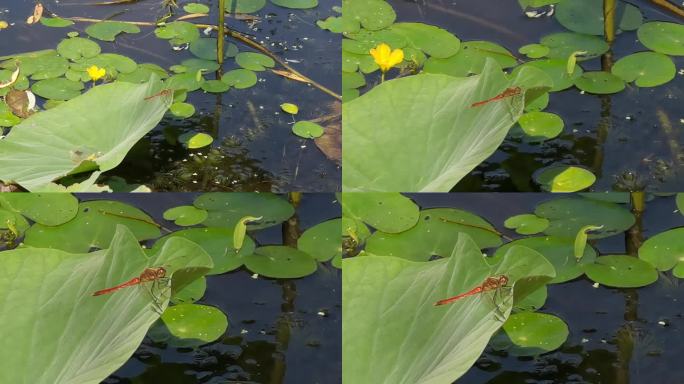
(421, 133)
(43, 208)
(83, 134)
(51, 320)
(392, 331)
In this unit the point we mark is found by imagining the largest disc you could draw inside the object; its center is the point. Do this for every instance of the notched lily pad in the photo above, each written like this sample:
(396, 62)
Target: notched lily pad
(564, 178)
(621, 271)
(185, 215)
(280, 262)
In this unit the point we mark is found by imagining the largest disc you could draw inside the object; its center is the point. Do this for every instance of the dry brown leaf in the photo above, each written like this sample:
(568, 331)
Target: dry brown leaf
(192, 16)
(37, 14)
(331, 141)
(13, 79)
(18, 102)
(289, 75)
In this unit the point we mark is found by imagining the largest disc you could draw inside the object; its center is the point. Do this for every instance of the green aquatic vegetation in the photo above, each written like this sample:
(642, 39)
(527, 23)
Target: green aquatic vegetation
(564, 178)
(527, 224)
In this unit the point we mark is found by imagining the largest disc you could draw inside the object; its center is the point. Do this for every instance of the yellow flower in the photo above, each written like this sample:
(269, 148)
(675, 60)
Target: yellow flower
(385, 57)
(96, 73)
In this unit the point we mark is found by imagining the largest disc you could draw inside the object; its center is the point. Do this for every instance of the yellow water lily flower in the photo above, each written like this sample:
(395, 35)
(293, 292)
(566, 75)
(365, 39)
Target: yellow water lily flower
(95, 72)
(385, 57)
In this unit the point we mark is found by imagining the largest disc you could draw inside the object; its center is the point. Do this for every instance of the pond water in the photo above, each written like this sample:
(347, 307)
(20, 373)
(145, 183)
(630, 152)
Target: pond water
(254, 147)
(280, 331)
(616, 335)
(637, 130)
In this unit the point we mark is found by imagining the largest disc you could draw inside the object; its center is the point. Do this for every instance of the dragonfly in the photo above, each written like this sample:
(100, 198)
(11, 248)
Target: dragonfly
(153, 275)
(492, 283)
(508, 92)
(164, 92)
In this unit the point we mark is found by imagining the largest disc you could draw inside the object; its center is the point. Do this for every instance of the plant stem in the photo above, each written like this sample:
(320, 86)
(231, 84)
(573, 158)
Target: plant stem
(221, 31)
(494, 231)
(609, 20)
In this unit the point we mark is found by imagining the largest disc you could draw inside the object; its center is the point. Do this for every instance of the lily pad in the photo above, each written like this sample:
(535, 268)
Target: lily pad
(568, 215)
(108, 30)
(215, 86)
(387, 212)
(557, 70)
(218, 243)
(240, 78)
(77, 48)
(436, 233)
(254, 61)
(307, 129)
(194, 140)
(586, 16)
(665, 251)
(186, 81)
(527, 224)
(191, 293)
(564, 178)
(562, 45)
(244, 6)
(280, 262)
(290, 108)
(44, 208)
(470, 59)
(195, 8)
(296, 4)
(55, 22)
(322, 241)
(182, 110)
(534, 51)
(178, 32)
(226, 209)
(558, 251)
(185, 215)
(432, 40)
(663, 37)
(371, 14)
(539, 331)
(621, 271)
(645, 69)
(541, 126)
(680, 202)
(57, 89)
(599, 82)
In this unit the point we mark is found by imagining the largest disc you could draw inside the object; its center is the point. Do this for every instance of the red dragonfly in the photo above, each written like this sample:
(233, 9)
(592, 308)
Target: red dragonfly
(508, 92)
(153, 275)
(490, 284)
(164, 92)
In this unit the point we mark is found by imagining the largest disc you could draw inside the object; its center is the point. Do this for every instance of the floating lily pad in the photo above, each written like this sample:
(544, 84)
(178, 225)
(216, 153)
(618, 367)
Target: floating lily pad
(365, 40)
(193, 65)
(55, 22)
(539, 331)
(186, 81)
(387, 212)
(371, 14)
(557, 71)
(195, 8)
(564, 178)
(665, 251)
(296, 4)
(621, 271)
(191, 325)
(680, 202)
(111, 62)
(586, 16)
(534, 51)
(352, 80)
(568, 215)
(432, 40)
(93, 226)
(600, 82)
(185, 215)
(280, 262)
(290, 108)
(44, 67)
(646, 69)
(215, 86)
(533, 301)
(339, 24)
(470, 59)
(218, 243)
(178, 32)
(194, 140)
(77, 48)
(663, 37)
(541, 125)
(254, 61)
(436, 233)
(108, 30)
(244, 6)
(562, 45)
(182, 110)
(191, 292)
(226, 209)
(322, 241)
(558, 251)
(143, 73)
(527, 224)
(57, 89)
(7, 118)
(205, 48)
(354, 62)
(307, 129)
(240, 78)
(44, 208)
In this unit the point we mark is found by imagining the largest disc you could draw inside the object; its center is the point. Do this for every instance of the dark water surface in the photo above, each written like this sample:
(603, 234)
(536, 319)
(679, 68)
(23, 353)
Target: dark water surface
(254, 148)
(280, 331)
(607, 134)
(616, 335)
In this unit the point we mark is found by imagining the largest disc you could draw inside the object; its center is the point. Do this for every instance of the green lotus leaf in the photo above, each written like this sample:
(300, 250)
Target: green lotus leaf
(645, 69)
(556, 70)
(556, 250)
(435, 234)
(280, 262)
(470, 59)
(44, 208)
(434, 41)
(539, 331)
(564, 178)
(599, 82)
(185, 215)
(540, 126)
(387, 212)
(217, 243)
(254, 61)
(445, 341)
(178, 32)
(226, 209)
(109, 327)
(244, 6)
(55, 22)
(569, 214)
(43, 148)
(371, 14)
(190, 325)
(665, 251)
(534, 51)
(562, 45)
(195, 8)
(586, 16)
(323, 241)
(621, 271)
(240, 78)
(77, 48)
(108, 30)
(527, 224)
(428, 155)
(296, 4)
(57, 89)
(663, 37)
